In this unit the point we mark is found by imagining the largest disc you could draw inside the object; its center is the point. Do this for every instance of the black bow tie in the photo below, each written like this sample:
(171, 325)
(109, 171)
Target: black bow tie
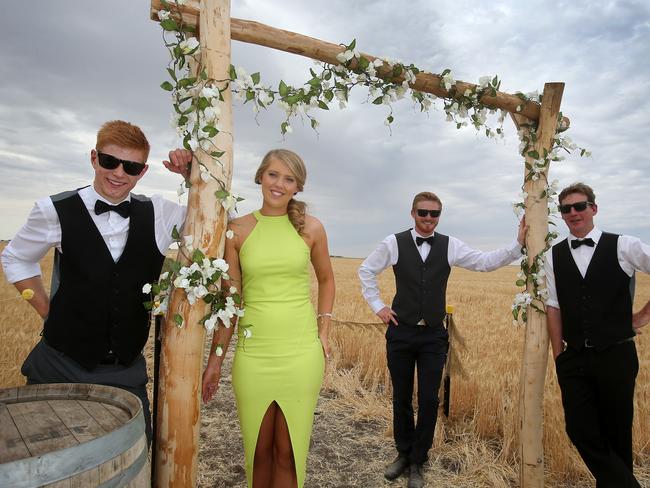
(123, 209)
(420, 240)
(579, 242)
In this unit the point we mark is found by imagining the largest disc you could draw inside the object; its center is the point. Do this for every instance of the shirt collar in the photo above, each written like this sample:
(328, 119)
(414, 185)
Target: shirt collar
(594, 234)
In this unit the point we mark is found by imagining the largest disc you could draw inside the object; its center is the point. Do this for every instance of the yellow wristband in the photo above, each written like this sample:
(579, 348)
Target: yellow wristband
(27, 294)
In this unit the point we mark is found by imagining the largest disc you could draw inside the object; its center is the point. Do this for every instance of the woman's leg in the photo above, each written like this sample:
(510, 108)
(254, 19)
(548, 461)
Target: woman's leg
(263, 462)
(284, 465)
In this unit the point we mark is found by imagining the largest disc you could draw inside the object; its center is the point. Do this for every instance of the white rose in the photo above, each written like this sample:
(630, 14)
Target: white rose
(146, 288)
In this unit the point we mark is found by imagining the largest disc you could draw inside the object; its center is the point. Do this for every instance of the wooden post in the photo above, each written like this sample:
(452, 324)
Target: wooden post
(181, 360)
(533, 372)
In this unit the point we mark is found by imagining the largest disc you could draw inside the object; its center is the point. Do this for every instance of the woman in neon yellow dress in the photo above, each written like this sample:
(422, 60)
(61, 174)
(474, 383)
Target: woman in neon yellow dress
(282, 343)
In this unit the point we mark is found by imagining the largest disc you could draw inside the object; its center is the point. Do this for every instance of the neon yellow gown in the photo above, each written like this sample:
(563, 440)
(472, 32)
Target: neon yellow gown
(282, 359)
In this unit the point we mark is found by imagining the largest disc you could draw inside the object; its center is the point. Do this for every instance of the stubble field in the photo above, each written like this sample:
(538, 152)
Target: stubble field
(352, 440)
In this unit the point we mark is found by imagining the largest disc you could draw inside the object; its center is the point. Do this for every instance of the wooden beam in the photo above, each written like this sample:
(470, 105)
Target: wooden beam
(533, 371)
(181, 361)
(283, 40)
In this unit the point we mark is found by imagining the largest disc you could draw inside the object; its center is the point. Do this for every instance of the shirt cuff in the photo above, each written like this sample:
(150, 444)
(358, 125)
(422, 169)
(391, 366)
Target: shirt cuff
(15, 272)
(553, 303)
(377, 305)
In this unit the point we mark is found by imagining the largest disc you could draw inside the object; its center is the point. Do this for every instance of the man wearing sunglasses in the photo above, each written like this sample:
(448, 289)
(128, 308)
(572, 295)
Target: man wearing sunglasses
(109, 243)
(590, 279)
(421, 259)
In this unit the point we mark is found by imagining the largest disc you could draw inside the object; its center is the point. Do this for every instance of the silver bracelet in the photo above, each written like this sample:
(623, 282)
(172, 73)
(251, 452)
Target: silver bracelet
(325, 314)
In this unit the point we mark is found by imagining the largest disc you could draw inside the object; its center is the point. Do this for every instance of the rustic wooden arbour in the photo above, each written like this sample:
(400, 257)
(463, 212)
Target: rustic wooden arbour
(181, 359)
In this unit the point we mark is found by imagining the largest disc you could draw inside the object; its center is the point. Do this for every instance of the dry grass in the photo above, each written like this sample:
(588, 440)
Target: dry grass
(352, 439)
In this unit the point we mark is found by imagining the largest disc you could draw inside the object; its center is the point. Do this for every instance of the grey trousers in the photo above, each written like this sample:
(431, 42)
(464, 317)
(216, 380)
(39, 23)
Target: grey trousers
(44, 364)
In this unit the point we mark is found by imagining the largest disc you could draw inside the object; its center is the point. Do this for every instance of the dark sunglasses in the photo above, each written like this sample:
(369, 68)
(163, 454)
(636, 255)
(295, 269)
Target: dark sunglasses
(422, 212)
(107, 161)
(579, 206)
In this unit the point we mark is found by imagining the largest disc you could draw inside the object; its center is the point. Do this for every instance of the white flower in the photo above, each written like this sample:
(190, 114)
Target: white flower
(448, 81)
(181, 2)
(225, 315)
(210, 324)
(232, 290)
(161, 307)
(188, 242)
(193, 144)
(218, 351)
(341, 95)
(409, 77)
(264, 97)
(209, 92)
(346, 56)
(146, 288)
(165, 275)
(205, 175)
(220, 264)
(181, 282)
(211, 113)
(191, 296)
(163, 14)
(200, 291)
(230, 234)
(484, 81)
(189, 45)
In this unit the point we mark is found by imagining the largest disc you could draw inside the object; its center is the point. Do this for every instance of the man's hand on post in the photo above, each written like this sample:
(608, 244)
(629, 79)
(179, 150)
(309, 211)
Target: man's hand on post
(179, 162)
(523, 230)
(387, 316)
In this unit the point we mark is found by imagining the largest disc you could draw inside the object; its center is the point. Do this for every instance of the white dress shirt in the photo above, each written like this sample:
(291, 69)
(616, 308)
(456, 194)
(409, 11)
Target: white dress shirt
(42, 231)
(458, 254)
(633, 255)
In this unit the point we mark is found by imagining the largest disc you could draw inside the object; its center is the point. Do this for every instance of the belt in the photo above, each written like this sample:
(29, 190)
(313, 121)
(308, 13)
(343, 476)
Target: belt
(589, 345)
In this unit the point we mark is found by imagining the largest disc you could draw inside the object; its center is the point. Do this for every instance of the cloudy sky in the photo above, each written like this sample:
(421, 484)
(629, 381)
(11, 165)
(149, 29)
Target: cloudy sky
(69, 66)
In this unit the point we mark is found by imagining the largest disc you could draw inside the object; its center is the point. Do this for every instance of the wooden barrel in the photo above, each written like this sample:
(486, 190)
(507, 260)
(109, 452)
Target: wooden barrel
(72, 435)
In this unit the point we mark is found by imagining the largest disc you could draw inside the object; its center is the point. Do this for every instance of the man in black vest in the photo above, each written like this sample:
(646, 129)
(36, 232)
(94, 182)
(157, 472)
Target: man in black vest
(109, 243)
(421, 260)
(591, 327)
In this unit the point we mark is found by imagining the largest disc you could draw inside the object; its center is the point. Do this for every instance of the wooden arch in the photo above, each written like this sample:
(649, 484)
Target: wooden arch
(179, 393)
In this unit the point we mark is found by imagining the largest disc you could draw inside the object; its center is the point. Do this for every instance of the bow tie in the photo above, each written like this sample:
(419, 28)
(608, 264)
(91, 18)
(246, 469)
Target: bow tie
(420, 240)
(123, 209)
(579, 242)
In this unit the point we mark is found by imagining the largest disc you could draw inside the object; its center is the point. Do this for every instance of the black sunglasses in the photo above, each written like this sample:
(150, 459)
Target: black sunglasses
(422, 212)
(579, 206)
(107, 161)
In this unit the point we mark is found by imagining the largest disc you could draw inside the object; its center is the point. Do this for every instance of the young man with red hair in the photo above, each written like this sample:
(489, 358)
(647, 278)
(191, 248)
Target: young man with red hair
(109, 243)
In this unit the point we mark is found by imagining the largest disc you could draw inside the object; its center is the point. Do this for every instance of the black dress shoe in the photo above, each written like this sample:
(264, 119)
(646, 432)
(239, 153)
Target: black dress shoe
(415, 476)
(397, 467)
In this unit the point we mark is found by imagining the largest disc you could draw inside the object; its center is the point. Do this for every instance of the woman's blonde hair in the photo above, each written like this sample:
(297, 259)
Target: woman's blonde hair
(296, 210)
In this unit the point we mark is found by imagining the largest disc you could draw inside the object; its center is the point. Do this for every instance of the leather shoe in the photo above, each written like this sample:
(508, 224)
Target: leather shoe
(396, 468)
(415, 476)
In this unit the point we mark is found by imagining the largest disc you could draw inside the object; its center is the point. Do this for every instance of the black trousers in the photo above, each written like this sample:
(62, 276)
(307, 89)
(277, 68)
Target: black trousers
(597, 395)
(406, 348)
(44, 364)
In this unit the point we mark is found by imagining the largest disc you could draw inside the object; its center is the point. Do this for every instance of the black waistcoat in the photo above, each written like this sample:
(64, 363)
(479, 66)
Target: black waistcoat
(96, 303)
(597, 307)
(421, 287)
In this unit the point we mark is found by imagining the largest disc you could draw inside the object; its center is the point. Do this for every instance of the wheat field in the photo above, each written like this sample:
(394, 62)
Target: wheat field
(477, 445)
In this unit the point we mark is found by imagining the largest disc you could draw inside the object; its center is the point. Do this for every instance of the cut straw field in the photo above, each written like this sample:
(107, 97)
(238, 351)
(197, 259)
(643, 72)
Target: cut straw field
(475, 447)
